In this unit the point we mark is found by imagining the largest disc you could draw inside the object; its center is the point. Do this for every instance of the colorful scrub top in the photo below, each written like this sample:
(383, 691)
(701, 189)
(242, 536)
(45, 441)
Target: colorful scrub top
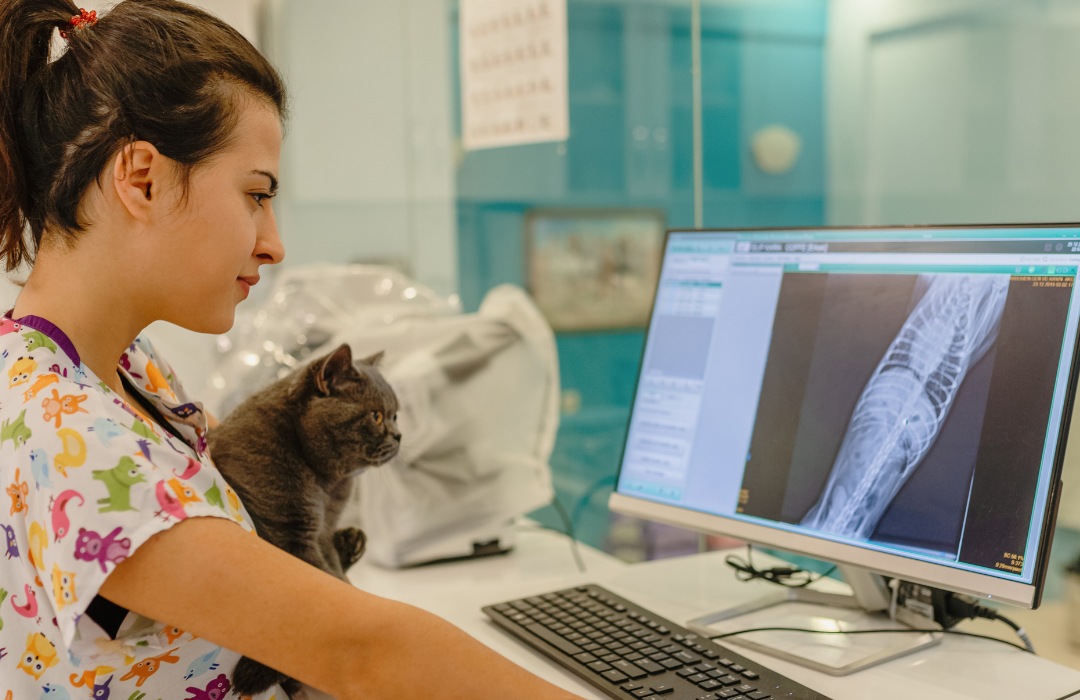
(88, 479)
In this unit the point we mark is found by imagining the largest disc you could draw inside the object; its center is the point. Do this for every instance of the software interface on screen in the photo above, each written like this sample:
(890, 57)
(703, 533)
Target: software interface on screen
(899, 390)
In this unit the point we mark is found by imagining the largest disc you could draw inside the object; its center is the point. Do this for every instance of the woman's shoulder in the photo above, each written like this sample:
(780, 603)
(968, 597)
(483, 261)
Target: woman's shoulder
(51, 407)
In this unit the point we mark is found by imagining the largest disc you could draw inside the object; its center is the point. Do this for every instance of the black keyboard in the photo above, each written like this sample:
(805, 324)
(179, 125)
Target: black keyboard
(629, 652)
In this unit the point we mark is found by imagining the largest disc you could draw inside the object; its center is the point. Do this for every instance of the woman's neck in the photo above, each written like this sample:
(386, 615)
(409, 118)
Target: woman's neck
(90, 306)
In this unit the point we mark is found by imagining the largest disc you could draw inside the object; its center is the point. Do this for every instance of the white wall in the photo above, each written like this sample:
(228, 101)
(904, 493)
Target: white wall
(369, 156)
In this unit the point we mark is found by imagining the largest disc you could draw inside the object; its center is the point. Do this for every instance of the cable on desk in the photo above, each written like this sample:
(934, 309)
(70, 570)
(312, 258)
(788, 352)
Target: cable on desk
(950, 608)
(1023, 635)
(568, 531)
(879, 631)
(587, 496)
(789, 576)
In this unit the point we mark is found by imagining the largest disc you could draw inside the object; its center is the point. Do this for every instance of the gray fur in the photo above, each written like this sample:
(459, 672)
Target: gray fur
(290, 451)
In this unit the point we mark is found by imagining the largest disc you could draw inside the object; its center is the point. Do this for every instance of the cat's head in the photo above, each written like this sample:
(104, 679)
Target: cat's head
(350, 418)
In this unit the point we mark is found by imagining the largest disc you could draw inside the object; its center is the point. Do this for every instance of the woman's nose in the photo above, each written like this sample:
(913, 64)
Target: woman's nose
(268, 246)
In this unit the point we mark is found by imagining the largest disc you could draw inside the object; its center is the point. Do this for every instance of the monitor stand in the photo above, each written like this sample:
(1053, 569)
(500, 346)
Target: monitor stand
(835, 654)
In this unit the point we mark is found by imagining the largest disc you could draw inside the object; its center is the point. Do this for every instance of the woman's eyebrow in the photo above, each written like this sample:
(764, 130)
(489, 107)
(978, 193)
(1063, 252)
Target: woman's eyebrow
(273, 180)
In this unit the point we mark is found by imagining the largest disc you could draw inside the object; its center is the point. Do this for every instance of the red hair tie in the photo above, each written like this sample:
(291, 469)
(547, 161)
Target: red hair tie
(83, 18)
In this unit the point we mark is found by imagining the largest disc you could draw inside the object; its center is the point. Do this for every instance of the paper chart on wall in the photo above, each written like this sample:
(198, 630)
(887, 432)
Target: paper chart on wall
(513, 72)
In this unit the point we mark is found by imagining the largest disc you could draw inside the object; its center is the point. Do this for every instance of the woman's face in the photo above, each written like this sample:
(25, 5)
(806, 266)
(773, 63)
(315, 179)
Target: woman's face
(225, 230)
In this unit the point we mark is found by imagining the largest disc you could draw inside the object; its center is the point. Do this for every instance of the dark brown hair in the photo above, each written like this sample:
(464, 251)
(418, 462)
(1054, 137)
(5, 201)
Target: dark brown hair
(161, 71)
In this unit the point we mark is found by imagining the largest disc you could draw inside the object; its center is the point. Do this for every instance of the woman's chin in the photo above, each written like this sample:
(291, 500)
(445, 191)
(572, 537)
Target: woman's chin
(215, 324)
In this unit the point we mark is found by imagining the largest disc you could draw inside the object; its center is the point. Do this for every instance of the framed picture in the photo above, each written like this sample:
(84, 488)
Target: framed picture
(592, 269)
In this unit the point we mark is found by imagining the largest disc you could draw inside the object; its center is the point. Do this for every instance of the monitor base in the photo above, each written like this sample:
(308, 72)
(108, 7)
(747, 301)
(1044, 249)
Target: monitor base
(833, 653)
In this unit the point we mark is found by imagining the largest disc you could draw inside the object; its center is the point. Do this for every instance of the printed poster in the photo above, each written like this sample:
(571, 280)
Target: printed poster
(513, 72)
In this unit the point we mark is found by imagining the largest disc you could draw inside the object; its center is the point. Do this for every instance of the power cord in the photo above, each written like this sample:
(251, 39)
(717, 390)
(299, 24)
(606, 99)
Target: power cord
(932, 604)
(956, 607)
(915, 601)
(788, 576)
(569, 525)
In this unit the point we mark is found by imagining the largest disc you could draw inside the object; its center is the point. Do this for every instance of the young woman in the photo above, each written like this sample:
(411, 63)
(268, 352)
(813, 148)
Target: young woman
(137, 169)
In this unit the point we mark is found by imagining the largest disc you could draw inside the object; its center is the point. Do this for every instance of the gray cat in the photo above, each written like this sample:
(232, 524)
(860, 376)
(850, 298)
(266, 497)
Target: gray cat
(290, 451)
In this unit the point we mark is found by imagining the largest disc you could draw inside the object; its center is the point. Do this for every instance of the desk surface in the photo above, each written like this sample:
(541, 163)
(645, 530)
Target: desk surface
(687, 587)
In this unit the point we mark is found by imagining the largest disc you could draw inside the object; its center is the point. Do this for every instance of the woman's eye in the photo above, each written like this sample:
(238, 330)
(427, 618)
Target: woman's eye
(261, 197)
(377, 417)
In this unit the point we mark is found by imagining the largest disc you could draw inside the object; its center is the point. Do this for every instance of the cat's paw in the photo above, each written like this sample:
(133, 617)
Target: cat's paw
(252, 677)
(350, 543)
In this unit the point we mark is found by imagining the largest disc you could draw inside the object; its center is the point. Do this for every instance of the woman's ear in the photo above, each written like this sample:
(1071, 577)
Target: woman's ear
(137, 172)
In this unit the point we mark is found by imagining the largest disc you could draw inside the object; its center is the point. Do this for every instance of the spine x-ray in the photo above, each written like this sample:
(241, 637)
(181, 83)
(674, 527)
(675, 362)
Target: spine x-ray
(905, 401)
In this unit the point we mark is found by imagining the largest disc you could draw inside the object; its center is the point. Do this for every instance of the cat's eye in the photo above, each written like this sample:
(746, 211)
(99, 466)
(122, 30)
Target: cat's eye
(377, 417)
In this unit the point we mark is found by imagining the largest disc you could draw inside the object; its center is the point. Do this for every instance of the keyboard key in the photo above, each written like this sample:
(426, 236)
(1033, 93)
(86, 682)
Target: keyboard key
(752, 675)
(649, 666)
(745, 688)
(554, 639)
(614, 676)
(630, 686)
(709, 684)
(585, 657)
(662, 689)
(643, 693)
(599, 666)
(758, 695)
(629, 669)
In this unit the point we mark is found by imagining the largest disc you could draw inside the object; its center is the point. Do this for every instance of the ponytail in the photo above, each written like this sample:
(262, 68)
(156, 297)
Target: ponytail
(161, 71)
(26, 31)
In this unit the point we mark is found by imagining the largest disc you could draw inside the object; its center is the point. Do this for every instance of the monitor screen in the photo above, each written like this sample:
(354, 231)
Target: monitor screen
(895, 399)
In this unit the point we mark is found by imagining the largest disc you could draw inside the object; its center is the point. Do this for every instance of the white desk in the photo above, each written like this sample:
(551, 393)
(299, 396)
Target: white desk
(686, 587)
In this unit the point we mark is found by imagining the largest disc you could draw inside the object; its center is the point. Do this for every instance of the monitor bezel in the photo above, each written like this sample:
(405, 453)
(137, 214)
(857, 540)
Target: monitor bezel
(986, 586)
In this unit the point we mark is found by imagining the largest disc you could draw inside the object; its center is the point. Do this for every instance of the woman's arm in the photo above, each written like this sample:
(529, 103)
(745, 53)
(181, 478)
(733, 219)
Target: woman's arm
(209, 577)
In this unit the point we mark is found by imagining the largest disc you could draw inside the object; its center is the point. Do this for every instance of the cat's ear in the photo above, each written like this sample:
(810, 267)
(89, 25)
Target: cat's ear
(333, 366)
(374, 360)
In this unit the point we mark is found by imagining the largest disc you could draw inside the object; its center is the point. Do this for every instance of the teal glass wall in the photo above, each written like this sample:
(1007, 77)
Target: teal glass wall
(632, 146)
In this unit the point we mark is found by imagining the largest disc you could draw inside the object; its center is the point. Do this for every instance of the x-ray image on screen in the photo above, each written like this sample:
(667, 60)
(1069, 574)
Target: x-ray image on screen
(839, 350)
(907, 398)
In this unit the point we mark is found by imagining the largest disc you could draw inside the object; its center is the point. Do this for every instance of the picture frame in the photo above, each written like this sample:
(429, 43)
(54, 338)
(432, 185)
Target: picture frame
(594, 269)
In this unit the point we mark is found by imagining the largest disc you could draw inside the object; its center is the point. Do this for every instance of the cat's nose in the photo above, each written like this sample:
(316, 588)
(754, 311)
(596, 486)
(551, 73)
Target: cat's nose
(396, 437)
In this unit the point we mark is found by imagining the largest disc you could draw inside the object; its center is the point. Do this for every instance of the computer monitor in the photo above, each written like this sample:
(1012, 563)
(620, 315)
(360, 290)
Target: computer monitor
(891, 399)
